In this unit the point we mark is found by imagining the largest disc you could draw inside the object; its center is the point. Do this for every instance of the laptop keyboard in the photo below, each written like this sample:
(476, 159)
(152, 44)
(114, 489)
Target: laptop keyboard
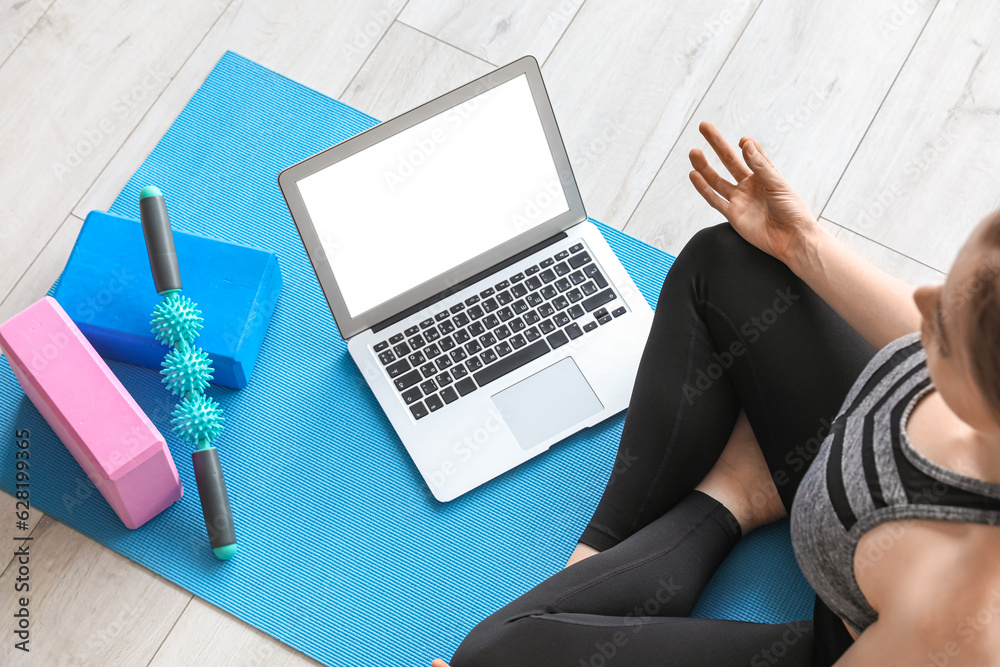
(488, 335)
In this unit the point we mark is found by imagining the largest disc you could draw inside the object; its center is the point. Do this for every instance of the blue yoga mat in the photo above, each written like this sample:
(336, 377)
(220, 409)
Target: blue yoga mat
(344, 554)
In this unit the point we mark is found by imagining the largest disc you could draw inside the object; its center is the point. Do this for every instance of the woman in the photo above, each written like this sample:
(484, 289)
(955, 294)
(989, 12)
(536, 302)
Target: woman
(781, 367)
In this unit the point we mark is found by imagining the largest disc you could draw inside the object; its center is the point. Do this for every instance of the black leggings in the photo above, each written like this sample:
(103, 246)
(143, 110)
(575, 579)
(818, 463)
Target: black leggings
(733, 328)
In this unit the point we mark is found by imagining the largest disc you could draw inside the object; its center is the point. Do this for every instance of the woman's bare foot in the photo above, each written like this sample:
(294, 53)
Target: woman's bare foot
(741, 481)
(438, 662)
(581, 552)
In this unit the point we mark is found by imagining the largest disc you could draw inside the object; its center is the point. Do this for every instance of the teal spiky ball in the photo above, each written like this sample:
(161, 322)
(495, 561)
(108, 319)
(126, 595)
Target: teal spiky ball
(198, 419)
(176, 319)
(186, 371)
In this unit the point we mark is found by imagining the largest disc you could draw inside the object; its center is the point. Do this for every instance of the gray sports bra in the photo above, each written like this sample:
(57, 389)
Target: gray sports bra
(867, 473)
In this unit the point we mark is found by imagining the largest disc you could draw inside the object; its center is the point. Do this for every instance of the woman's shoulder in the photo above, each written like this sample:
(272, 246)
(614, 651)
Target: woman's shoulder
(906, 344)
(906, 349)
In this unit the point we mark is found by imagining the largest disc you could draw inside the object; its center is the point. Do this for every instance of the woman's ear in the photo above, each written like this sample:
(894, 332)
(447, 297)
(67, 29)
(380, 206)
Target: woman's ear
(926, 297)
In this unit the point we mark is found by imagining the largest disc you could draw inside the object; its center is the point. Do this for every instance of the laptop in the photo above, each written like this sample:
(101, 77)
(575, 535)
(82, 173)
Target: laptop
(489, 317)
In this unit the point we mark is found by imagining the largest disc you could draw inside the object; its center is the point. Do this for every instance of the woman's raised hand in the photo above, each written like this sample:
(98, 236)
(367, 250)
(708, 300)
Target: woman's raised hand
(762, 207)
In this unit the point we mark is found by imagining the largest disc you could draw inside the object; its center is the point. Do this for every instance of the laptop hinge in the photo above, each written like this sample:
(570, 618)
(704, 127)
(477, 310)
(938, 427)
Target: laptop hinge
(445, 293)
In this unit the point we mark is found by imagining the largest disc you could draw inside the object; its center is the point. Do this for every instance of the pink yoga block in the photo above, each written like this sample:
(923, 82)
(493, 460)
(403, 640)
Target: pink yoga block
(92, 413)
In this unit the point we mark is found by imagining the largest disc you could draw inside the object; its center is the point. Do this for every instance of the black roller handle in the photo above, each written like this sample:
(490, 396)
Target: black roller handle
(159, 240)
(214, 498)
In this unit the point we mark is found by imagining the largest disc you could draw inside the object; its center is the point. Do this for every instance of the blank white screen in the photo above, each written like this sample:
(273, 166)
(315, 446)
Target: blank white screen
(438, 194)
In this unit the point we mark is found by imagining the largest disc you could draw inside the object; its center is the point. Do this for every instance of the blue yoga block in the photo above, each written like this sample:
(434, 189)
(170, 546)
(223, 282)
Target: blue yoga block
(107, 288)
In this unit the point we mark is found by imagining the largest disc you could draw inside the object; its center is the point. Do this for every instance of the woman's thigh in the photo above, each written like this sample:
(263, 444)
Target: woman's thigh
(733, 328)
(789, 356)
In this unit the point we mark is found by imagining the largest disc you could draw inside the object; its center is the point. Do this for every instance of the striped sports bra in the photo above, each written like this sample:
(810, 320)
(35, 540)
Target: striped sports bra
(867, 473)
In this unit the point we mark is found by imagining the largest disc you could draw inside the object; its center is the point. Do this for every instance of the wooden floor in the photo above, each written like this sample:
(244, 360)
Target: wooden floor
(884, 115)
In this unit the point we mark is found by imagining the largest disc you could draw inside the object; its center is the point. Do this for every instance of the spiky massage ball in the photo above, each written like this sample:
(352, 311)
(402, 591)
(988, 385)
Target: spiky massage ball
(176, 320)
(198, 418)
(186, 371)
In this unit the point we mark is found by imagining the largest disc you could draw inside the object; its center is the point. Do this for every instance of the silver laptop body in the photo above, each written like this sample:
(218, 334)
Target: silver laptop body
(489, 317)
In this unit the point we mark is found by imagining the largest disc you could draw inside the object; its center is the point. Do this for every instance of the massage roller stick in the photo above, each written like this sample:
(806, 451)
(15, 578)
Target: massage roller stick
(187, 371)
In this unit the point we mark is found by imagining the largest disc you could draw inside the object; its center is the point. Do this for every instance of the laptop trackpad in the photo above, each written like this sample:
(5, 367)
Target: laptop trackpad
(547, 403)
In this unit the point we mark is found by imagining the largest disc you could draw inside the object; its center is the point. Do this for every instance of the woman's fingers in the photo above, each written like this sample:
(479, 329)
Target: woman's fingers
(710, 195)
(762, 167)
(700, 163)
(759, 148)
(729, 156)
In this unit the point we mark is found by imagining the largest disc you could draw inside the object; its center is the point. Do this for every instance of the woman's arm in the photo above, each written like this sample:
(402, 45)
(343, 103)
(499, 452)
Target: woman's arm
(764, 209)
(877, 305)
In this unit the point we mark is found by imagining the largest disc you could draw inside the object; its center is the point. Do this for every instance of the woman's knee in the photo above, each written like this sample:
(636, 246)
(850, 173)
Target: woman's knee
(717, 244)
(488, 644)
(717, 259)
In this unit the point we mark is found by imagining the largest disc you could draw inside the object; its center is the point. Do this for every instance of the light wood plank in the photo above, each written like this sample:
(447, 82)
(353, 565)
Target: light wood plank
(44, 270)
(204, 635)
(89, 605)
(928, 169)
(320, 43)
(624, 79)
(808, 103)
(895, 264)
(72, 91)
(17, 19)
(383, 89)
(498, 31)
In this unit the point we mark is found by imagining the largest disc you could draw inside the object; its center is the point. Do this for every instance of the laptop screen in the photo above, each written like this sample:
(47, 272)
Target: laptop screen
(442, 192)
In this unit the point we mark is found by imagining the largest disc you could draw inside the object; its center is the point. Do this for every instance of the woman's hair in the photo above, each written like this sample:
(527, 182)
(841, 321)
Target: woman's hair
(984, 309)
